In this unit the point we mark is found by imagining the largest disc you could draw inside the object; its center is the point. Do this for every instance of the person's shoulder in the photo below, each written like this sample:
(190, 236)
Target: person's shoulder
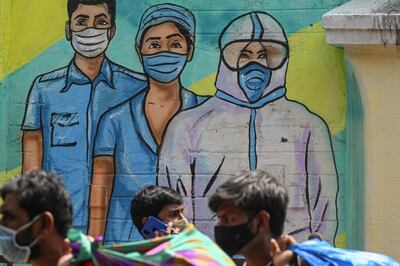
(50, 82)
(198, 99)
(299, 111)
(191, 117)
(57, 75)
(128, 74)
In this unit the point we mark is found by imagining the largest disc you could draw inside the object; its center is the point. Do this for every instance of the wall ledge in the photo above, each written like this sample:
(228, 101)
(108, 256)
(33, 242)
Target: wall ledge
(363, 22)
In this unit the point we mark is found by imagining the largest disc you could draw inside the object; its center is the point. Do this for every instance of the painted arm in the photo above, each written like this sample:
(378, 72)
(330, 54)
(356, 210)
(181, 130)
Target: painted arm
(322, 183)
(100, 193)
(32, 150)
(32, 138)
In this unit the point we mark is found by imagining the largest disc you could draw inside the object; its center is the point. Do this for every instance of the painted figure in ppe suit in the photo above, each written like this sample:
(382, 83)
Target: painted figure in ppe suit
(250, 124)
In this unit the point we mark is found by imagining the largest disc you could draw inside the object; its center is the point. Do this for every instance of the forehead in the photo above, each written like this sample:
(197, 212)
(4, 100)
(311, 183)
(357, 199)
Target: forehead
(162, 30)
(230, 209)
(173, 207)
(91, 10)
(254, 46)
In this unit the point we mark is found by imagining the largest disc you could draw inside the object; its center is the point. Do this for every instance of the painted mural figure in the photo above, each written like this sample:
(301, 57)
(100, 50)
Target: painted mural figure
(64, 106)
(128, 138)
(250, 124)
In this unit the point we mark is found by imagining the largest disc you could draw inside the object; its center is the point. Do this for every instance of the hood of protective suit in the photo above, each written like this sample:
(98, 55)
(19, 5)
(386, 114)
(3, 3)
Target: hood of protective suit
(250, 27)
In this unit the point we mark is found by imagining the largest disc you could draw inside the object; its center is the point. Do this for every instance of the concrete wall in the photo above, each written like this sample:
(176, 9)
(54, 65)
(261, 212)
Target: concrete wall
(376, 69)
(315, 83)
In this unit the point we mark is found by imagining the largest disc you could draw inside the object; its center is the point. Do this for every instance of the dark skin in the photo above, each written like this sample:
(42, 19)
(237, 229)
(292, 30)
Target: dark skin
(255, 251)
(171, 214)
(12, 216)
(51, 244)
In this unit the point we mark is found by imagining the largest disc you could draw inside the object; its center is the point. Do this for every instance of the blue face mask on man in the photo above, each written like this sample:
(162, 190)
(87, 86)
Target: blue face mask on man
(164, 67)
(254, 78)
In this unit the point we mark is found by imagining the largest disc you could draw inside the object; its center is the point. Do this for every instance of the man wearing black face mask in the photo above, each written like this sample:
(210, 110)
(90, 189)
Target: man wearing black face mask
(36, 215)
(251, 209)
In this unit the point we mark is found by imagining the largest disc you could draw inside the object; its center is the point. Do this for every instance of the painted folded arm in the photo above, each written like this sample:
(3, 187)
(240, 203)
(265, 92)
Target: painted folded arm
(322, 183)
(103, 176)
(32, 139)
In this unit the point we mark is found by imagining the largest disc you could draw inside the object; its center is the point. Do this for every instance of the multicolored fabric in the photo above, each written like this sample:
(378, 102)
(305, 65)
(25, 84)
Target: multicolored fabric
(189, 248)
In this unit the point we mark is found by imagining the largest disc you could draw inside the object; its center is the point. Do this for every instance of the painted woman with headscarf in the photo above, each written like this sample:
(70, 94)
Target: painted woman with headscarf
(129, 136)
(250, 124)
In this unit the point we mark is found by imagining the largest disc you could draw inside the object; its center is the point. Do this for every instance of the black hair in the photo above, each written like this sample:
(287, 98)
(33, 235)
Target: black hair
(150, 200)
(188, 37)
(111, 5)
(37, 192)
(253, 192)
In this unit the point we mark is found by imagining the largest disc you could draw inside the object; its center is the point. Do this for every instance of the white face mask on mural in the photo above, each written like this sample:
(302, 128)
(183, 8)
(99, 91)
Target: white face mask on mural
(90, 42)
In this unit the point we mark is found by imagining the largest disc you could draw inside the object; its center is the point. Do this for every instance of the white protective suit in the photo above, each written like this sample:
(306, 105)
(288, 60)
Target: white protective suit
(227, 134)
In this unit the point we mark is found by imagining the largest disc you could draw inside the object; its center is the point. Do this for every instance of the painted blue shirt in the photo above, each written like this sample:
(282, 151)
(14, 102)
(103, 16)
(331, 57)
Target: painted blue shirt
(125, 134)
(66, 106)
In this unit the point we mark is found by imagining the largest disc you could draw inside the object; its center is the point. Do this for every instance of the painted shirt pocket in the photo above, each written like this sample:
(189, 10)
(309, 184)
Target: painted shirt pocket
(62, 125)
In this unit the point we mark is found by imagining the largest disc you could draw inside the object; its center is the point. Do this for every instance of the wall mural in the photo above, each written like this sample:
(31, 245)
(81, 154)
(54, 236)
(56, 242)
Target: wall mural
(188, 122)
(250, 124)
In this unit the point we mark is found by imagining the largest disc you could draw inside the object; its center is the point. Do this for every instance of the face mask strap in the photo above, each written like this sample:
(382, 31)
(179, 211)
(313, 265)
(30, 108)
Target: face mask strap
(34, 242)
(23, 228)
(28, 224)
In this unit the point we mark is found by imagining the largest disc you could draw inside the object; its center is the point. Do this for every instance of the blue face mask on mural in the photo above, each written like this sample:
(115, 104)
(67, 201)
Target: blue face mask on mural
(164, 67)
(253, 79)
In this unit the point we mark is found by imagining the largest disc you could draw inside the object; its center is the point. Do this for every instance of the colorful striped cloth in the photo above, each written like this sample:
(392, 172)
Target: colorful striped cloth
(189, 248)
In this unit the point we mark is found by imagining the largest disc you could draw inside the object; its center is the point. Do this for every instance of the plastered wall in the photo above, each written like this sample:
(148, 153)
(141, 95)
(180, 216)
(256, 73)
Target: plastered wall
(375, 67)
(298, 134)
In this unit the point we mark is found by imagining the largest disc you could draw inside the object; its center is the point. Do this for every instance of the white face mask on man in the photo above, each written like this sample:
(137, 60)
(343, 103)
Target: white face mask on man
(90, 42)
(9, 247)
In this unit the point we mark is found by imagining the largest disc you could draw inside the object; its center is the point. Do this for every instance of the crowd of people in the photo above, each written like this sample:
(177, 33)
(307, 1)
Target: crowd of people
(251, 210)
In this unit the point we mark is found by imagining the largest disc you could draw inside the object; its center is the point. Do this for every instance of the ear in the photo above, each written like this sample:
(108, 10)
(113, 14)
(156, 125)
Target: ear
(47, 224)
(67, 30)
(137, 48)
(111, 32)
(190, 53)
(263, 220)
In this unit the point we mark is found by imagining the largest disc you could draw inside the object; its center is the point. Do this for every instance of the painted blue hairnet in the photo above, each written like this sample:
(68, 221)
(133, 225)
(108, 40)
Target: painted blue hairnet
(166, 13)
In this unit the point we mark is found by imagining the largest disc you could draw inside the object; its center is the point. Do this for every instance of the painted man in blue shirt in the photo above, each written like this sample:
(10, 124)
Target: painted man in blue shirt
(64, 106)
(129, 136)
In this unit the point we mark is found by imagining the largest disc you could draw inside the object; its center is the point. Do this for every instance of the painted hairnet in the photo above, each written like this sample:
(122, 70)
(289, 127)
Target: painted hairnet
(158, 14)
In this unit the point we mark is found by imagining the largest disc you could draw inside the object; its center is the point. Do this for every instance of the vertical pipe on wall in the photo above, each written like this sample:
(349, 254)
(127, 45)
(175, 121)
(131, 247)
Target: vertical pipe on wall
(354, 183)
